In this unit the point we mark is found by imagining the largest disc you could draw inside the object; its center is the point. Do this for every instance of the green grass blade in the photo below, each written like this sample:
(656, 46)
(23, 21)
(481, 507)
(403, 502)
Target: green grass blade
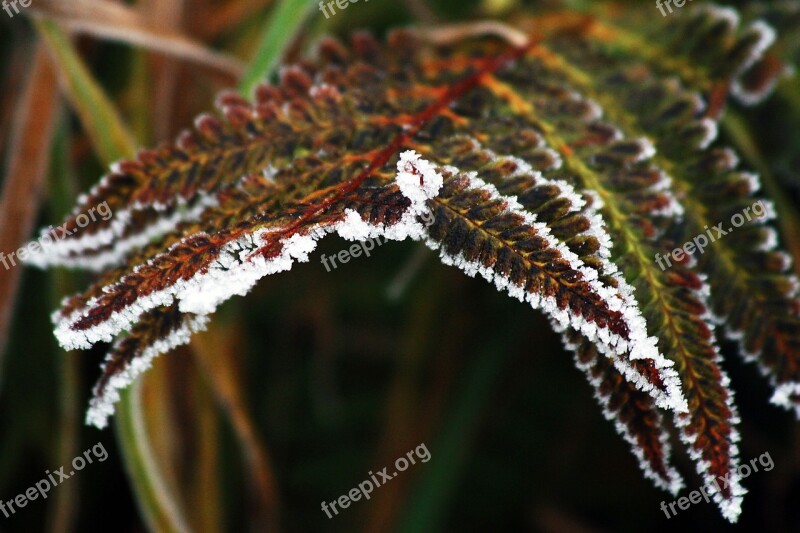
(112, 141)
(110, 137)
(287, 18)
(429, 502)
(62, 513)
(155, 501)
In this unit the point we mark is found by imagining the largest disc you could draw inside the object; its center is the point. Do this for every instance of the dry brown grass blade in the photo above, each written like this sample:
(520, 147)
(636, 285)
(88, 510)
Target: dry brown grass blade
(117, 22)
(204, 492)
(162, 419)
(13, 77)
(413, 412)
(28, 162)
(183, 426)
(228, 16)
(421, 11)
(217, 351)
(164, 16)
(198, 421)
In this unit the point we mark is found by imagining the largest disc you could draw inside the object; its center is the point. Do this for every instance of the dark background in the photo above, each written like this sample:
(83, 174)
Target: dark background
(323, 377)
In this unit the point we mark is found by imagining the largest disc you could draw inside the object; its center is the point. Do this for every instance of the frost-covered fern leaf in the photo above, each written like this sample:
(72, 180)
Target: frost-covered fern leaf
(158, 331)
(784, 15)
(635, 414)
(558, 161)
(568, 216)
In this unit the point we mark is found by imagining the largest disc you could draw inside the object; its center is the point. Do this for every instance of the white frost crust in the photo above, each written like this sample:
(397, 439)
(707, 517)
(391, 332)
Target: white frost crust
(770, 240)
(731, 158)
(238, 268)
(648, 149)
(598, 231)
(320, 86)
(525, 169)
(753, 181)
(731, 508)
(674, 208)
(784, 391)
(558, 162)
(673, 399)
(766, 39)
(783, 394)
(752, 98)
(674, 483)
(596, 110)
(703, 294)
(639, 345)
(235, 273)
(63, 252)
(417, 178)
(269, 173)
(717, 12)
(712, 131)
(664, 185)
(102, 407)
(770, 212)
(616, 133)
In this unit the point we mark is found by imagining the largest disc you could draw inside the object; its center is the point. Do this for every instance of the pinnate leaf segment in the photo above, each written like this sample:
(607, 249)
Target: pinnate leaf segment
(554, 169)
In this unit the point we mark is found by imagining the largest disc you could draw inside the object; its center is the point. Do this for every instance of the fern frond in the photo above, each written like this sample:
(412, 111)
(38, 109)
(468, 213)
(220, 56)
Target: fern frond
(559, 170)
(574, 220)
(157, 332)
(634, 413)
(202, 270)
(638, 207)
(482, 232)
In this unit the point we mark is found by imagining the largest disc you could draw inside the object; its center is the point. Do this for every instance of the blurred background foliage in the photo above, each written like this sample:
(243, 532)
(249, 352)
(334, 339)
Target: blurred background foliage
(300, 389)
